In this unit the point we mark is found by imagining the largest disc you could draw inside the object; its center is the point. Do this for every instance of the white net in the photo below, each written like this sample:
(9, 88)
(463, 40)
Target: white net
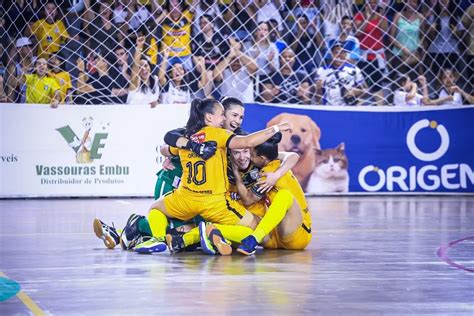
(335, 52)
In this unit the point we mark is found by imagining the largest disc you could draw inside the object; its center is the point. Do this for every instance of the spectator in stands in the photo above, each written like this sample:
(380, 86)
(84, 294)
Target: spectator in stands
(407, 93)
(62, 77)
(50, 31)
(332, 13)
(233, 75)
(176, 82)
(209, 43)
(371, 27)
(350, 43)
(406, 34)
(447, 87)
(240, 16)
(306, 42)
(40, 88)
(444, 33)
(264, 51)
(120, 72)
(175, 23)
(21, 63)
(104, 34)
(95, 88)
(144, 86)
(467, 22)
(211, 9)
(275, 36)
(286, 85)
(339, 83)
(267, 10)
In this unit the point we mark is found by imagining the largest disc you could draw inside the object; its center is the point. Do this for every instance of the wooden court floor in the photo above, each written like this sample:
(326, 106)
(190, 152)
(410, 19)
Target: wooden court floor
(369, 255)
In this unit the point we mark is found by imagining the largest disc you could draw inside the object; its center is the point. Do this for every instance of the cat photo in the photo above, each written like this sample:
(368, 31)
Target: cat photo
(330, 174)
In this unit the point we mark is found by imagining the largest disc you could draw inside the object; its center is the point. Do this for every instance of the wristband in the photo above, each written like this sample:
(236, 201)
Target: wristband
(276, 128)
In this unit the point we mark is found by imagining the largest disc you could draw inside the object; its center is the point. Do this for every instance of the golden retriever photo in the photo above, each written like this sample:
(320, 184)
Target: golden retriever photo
(303, 140)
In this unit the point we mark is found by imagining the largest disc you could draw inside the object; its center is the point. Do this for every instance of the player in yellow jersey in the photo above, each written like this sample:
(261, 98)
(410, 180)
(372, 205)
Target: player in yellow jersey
(204, 183)
(287, 222)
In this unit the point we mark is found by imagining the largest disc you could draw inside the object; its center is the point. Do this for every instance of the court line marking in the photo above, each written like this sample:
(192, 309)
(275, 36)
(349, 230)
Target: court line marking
(27, 301)
(443, 253)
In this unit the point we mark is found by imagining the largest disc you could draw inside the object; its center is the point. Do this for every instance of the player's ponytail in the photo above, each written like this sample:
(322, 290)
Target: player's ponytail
(197, 114)
(269, 149)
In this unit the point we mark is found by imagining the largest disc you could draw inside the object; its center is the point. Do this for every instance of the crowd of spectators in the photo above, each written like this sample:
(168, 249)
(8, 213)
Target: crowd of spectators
(345, 52)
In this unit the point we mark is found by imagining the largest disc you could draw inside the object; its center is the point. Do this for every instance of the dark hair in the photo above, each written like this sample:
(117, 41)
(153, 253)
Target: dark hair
(143, 86)
(401, 81)
(185, 83)
(346, 17)
(269, 149)
(453, 14)
(228, 102)
(197, 113)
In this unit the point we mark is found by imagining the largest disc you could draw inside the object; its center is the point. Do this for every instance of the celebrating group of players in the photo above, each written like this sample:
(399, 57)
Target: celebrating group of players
(221, 188)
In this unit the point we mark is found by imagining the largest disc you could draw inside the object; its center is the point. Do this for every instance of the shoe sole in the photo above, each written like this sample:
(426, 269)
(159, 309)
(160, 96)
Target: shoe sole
(109, 242)
(222, 247)
(202, 237)
(245, 252)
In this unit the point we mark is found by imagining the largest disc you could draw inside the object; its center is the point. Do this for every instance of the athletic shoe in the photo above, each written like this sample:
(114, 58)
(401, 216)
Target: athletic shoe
(248, 246)
(217, 240)
(129, 237)
(206, 244)
(152, 245)
(175, 243)
(107, 233)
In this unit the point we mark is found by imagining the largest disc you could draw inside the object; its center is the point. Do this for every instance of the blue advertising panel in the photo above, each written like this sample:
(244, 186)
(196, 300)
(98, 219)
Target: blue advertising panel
(372, 149)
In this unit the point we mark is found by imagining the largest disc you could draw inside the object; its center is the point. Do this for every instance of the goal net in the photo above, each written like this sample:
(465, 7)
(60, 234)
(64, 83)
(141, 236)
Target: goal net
(334, 52)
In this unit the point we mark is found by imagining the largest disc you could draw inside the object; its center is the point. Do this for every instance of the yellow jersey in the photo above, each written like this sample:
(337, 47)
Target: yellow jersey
(63, 79)
(50, 36)
(177, 34)
(289, 182)
(206, 177)
(40, 90)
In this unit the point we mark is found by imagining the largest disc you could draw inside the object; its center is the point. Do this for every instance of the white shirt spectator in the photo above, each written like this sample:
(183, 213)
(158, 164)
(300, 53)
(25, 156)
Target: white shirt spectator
(457, 98)
(347, 76)
(139, 97)
(261, 54)
(140, 17)
(238, 85)
(173, 95)
(270, 11)
(400, 98)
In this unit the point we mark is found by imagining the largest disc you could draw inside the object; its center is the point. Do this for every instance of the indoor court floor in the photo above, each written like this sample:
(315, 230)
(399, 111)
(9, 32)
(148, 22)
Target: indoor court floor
(369, 255)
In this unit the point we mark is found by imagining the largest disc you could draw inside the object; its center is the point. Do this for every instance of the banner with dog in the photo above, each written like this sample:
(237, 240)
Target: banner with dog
(375, 150)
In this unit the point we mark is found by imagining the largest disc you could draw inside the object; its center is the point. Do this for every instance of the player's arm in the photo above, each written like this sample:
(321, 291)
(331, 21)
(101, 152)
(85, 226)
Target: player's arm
(248, 197)
(167, 151)
(175, 138)
(257, 138)
(268, 179)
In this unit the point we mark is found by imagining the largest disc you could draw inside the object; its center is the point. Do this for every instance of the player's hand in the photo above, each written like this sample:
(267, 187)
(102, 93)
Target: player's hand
(167, 164)
(267, 181)
(205, 150)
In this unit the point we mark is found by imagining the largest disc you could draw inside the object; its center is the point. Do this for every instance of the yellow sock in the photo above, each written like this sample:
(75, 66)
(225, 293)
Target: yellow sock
(276, 212)
(191, 237)
(158, 223)
(234, 233)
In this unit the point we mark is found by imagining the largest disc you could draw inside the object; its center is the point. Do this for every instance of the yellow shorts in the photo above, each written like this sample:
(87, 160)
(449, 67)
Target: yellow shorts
(214, 208)
(258, 208)
(298, 240)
